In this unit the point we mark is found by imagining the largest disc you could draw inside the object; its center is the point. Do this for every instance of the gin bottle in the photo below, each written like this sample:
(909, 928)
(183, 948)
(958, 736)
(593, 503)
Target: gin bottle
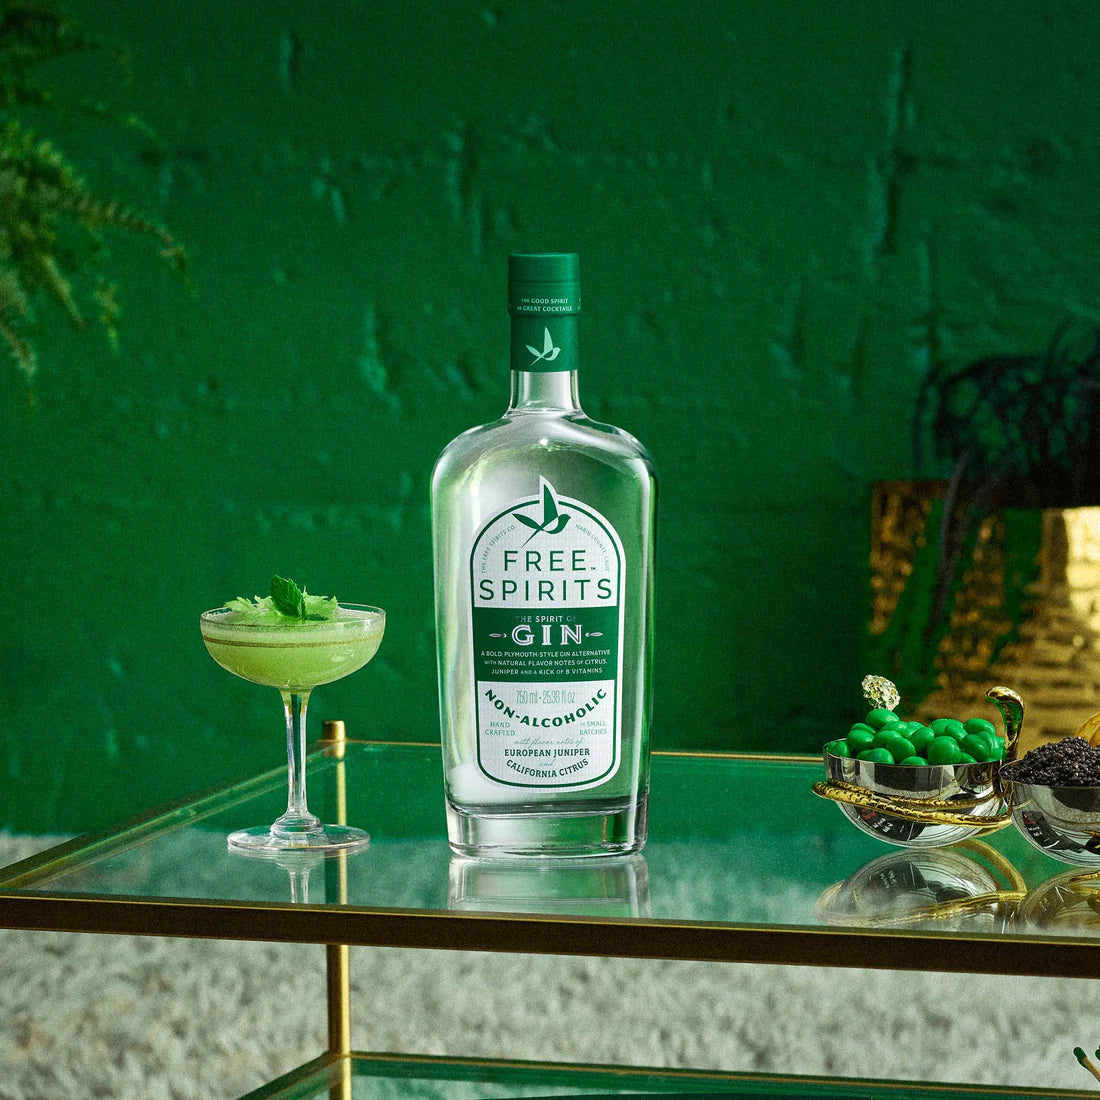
(543, 536)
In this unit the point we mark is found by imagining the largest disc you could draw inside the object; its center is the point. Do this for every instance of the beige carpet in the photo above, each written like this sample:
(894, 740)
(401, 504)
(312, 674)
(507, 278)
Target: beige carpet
(99, 1016)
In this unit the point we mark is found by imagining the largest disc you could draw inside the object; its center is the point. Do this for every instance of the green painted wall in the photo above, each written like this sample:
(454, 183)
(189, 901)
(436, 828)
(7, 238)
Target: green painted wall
(784, 212)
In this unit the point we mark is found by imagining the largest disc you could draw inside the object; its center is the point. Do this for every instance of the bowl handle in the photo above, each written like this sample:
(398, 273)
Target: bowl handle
(1011, 706)
(926, 811)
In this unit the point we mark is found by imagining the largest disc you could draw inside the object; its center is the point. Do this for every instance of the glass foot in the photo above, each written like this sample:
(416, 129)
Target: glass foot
(263, 841)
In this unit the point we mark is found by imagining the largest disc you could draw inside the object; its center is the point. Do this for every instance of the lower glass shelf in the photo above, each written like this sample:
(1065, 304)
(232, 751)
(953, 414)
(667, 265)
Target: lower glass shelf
(392, 1077)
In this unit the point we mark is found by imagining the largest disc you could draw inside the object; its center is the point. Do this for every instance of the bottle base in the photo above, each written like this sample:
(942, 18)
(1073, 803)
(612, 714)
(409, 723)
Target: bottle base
(534, 833)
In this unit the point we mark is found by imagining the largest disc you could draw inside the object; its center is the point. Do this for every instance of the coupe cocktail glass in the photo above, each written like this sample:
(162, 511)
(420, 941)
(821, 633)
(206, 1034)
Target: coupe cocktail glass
(295, 656)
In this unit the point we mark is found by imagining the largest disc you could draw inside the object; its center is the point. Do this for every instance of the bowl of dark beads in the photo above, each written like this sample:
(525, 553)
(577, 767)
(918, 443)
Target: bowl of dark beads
(946, 761)
(1054, 796)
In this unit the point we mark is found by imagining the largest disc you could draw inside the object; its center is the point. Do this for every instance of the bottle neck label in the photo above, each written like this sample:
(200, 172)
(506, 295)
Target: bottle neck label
(546, 582)
(544, 342)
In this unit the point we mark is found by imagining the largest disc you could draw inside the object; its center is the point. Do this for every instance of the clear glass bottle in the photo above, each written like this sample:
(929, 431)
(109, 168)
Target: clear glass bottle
(543, 528)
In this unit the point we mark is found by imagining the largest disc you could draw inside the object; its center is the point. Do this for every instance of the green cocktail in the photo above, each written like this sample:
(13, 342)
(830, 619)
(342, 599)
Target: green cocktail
(294, 656)
(294, 653)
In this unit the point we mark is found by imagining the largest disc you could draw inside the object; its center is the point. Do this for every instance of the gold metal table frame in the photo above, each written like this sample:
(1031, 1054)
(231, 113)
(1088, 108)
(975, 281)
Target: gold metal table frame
(27, 902)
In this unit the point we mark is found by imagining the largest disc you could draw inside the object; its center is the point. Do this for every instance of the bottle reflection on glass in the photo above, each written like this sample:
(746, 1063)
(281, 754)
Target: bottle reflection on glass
(611, 887)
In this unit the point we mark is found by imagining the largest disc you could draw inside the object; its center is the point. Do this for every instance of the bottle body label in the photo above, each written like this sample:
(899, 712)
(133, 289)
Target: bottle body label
(546, 583)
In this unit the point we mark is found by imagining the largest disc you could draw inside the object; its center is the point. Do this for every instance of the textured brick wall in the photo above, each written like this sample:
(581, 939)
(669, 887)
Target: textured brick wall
(785, 213)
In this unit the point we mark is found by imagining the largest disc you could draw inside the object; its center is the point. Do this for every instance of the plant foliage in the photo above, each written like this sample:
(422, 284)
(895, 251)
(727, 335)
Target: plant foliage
(51, 221)
(1020, 431)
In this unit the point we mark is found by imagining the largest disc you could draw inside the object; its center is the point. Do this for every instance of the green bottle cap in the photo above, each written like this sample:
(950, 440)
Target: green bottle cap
(544, 282)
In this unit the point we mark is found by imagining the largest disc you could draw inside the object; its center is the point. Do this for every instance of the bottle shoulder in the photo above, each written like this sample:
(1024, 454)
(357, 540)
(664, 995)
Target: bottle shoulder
(523, 430)
(555, 434)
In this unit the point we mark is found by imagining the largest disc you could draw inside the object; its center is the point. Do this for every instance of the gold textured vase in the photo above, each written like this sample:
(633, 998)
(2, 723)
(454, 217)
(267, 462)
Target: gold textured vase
(1052, 656)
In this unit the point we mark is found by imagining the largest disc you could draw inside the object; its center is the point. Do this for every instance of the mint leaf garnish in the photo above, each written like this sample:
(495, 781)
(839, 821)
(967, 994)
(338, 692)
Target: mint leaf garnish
(288, 598)
(286, 602)
(320, 608)
(257, 610)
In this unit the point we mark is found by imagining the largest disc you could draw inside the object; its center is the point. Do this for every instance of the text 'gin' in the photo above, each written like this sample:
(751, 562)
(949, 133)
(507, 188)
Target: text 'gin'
(543, 530)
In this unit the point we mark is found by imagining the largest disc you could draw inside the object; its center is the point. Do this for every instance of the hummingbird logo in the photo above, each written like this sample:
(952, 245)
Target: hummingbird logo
(553, 518)
(548, 354)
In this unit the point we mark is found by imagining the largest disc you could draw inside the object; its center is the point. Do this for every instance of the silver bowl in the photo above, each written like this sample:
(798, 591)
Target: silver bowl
(1069, 902)
(971, 886)
(1064, 822)
(968, 788)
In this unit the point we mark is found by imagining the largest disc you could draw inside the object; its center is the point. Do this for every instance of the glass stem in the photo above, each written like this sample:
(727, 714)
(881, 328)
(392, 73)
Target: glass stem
(299, 884)
(297, 818)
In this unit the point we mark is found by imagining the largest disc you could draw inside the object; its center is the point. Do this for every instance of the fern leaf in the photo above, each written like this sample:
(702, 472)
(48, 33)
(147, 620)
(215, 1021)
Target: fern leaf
(22, 351)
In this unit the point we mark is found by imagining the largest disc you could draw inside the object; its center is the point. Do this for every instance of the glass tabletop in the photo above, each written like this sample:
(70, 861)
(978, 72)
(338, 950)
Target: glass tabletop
(744, 863)
(427, 1078)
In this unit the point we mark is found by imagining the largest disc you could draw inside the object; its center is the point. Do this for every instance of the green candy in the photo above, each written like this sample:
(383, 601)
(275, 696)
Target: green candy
(966, 758)
(838, 747)
(999, 747)
(876, 756)
(956, 729)
(895, 744)
(860, 739)
(921, 737)
(980, 746)
(952, 727)
(914, 762)
(980, 725)
(880, 717)
(943, 750)
(909, 727)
